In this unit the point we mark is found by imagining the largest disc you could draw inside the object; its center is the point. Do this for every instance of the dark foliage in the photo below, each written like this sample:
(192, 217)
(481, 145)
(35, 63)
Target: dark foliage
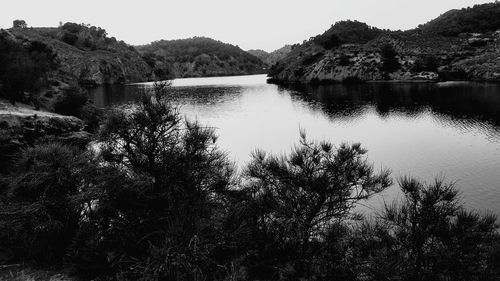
(344, 60)
(71, 102)
(23, 68)
(347, 32)
(71, 27)
(75, 102)
(39, 209)
(426, 63)
(479, 18)
(19, 24)
(91, 38)
(328, 41)
(390, 61)
(155, 199)
(208, 55)
(297, 198)
(156, 205)
(69, 38)
(429, 236)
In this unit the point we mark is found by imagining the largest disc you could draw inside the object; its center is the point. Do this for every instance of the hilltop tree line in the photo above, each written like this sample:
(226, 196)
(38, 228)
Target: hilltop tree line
(479, 18)
(347, 32)
(154, 198)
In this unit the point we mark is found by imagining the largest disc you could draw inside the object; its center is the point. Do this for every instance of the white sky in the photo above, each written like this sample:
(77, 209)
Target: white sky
(250, 24)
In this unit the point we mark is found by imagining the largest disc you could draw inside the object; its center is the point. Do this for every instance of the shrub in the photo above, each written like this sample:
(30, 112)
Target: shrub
(23, 68)
(40, 213)
(430, 236)
(390, 61)
(71, 27)
(158, 201)
(297, 198)
(344, 60)
(69, 38)
(425, 63)
(71, 101)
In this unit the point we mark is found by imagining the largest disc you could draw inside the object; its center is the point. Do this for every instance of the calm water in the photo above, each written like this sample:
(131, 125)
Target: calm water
(450, 130)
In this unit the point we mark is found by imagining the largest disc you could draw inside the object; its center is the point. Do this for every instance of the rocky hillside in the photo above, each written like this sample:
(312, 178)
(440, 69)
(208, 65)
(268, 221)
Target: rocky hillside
(271, 58)
(198, 57)
(351, 51)
(85, 55)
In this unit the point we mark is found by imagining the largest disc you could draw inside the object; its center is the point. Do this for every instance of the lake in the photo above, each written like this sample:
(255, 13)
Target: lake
(425, 130)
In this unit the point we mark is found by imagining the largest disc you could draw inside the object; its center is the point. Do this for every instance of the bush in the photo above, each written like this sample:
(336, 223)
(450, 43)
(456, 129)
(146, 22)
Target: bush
(390, 61)
(71, 27)
(40, 212)
(344, 60)
(426, 63)
(23, 68)
(430, 236)
(296, 199)
(69, 38)
(347, 32)
(158, 202)
(71, 102)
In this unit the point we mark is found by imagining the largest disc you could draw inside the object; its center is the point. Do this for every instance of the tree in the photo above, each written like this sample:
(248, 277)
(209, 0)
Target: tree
(430, 236)
(19, 24)
(157, 203)
(390, 61)
(23, 68)
(297, 198)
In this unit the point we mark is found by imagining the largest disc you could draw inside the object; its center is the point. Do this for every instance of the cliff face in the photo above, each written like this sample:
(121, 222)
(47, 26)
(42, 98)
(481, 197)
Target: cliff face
(198, 57)
(419, 54)
(86, 58)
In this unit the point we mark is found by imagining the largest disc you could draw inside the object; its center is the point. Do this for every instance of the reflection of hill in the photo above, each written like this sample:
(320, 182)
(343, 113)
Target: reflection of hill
(110, 95)
(461, 102)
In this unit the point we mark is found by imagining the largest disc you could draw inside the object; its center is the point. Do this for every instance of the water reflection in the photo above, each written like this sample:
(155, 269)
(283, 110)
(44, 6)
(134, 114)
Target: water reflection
(460, 101)
(449, 129)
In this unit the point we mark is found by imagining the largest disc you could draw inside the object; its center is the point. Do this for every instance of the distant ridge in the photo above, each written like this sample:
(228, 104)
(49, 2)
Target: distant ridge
(271, 58)
(197, 57)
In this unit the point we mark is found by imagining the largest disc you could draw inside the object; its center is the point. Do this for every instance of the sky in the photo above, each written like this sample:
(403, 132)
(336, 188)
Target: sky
(250, 24)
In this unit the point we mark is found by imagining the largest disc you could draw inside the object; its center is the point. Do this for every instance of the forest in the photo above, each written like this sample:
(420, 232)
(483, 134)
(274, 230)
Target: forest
(153, 197)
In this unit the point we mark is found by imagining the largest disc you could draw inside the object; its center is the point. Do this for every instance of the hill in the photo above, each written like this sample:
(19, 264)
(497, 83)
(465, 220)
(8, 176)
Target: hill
(271, 58)
(479, 18)
(197, 57)
(459, 45)
(85, 54)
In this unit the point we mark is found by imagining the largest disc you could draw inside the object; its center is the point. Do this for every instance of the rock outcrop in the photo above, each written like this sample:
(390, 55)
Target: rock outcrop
(21, 126)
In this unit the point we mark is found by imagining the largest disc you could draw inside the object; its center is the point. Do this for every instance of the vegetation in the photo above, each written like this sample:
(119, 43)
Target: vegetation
(75, 102)
(155, 199)
(476, 19)
(19, 24)
(390, 61)
(85, 55)
(460, 44)
(347, 32)
(23, 68)
(271, 58)
(426, 63)
(199, 56)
